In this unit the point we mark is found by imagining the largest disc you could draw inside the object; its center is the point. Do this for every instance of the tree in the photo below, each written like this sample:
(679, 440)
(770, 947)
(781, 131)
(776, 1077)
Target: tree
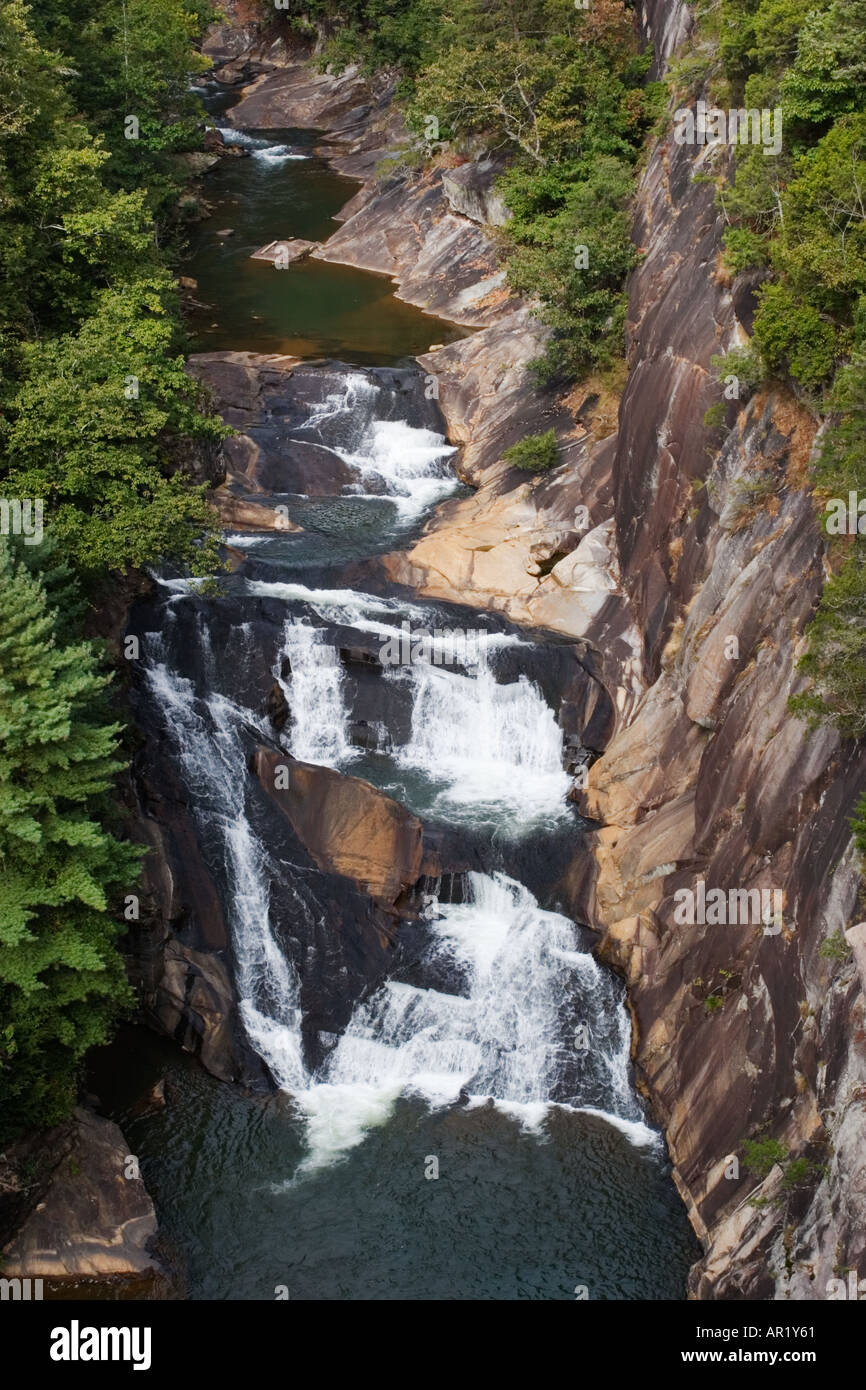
(61, 980)
(91, 424)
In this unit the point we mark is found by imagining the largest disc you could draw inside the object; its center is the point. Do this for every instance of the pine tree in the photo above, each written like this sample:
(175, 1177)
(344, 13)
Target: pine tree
(61, 978)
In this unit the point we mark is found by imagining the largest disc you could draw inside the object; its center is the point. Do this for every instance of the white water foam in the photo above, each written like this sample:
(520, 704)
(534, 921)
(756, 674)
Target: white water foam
(409, 464)
(495, 747)
(504, 1038)
(319, 719)
(212, 758)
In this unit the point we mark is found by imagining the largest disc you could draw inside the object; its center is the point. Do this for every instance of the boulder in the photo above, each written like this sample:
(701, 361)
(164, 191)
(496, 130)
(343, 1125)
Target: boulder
(348, 826)
(469, 190)
(94, 1220)
(285, 252)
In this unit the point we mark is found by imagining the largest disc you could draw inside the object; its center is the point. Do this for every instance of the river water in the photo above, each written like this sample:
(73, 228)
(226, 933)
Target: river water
(463, 1123)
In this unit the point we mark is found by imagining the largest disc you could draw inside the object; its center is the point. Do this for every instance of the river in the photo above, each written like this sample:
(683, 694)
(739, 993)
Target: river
(462, 1124)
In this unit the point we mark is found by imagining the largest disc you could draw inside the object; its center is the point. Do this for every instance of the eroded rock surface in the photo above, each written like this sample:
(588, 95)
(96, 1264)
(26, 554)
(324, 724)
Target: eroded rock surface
(94, 1221)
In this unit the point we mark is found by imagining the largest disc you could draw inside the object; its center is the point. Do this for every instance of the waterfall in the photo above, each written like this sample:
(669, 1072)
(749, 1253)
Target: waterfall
(315, 694)
(259, 147)
(509, 1036)
(404, 462)
(489, 747)
(493, 746)
(526, 1018)
(207, 735)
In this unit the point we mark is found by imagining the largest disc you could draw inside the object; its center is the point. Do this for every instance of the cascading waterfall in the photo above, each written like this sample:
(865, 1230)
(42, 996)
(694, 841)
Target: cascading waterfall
(406, 463)
(509, 1035)
(208, 738)
(319, 716)
(259, 147)
(516, 984)
(490, 747)
(495, 746)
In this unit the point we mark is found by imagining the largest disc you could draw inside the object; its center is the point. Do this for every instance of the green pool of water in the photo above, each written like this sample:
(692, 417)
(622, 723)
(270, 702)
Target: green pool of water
(311, 308)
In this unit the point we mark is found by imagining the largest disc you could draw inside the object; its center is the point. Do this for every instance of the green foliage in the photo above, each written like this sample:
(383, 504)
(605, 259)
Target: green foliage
(713, 1003)
(762, 1155)
(132, 59)
(835, 947)
(84, 216)
(799, 1172)
(563, 91)
(61, 981)
(75, 440)
(95, 306)
(835, 657)
(802, 216)
(537, 453)
(792, 337)
(569, 243)
(858, 826)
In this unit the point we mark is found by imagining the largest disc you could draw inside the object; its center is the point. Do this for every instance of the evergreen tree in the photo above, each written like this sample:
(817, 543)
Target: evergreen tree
(61, 980)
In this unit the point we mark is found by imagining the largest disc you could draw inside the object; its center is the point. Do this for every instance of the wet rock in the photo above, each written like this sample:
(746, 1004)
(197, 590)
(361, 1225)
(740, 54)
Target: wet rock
(277, 706)
(373, 737)
(195, 1004)
(270, 398)
(298, 97)
(285, 252)
(250, 514)
(360, 656)
(196, 163)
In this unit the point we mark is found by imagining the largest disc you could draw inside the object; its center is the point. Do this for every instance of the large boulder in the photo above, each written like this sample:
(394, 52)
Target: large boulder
(349, 827)
(95, 1221)
(470, 190)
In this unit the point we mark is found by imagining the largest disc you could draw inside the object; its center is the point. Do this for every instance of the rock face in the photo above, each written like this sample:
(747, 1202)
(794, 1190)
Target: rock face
(469, 189)
(348, 826)
(94, 1221)
(742, 1030)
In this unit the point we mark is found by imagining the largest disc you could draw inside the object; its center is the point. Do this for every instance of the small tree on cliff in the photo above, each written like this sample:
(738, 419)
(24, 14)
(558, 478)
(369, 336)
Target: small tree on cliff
(61, 979)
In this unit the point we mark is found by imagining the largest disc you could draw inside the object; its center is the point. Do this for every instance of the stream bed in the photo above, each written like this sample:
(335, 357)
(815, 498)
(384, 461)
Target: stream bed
(460, 1123)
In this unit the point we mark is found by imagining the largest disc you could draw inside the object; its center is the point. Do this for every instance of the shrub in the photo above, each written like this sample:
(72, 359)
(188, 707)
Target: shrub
(835, 947)
(761, 1155)
(537, 453)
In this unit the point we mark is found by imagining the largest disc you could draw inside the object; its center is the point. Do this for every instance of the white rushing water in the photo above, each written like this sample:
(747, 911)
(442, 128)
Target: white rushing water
(486, 747)
(506, 1029)
(506, 1036)
(260, 147)
(211, 754)
(406, 463)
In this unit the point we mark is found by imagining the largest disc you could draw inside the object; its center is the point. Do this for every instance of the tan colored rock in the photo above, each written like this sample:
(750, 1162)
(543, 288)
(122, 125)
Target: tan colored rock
(349, 827)
(285, 252)
(241, 514)
(94, 1221)
(195, 1004)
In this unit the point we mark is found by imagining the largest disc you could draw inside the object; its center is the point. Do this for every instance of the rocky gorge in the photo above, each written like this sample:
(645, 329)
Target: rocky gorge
(607, 594)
